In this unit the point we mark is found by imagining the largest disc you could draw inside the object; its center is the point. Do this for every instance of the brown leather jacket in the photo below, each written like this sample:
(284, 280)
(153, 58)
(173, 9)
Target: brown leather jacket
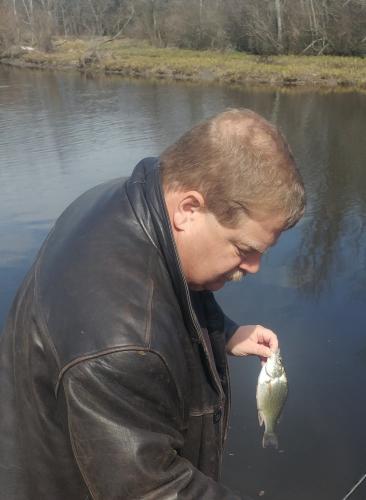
(109, 387)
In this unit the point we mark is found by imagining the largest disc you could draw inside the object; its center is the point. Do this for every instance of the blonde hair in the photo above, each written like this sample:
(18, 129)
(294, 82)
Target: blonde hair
(239, 162)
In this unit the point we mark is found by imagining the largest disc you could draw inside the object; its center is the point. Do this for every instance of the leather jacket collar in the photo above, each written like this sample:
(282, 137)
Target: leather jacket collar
(145, 193)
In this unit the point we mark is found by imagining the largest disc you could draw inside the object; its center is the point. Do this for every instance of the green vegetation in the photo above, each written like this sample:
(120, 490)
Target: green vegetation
(139, 59)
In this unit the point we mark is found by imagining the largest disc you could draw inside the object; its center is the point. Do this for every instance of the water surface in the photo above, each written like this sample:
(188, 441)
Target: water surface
(61, 133)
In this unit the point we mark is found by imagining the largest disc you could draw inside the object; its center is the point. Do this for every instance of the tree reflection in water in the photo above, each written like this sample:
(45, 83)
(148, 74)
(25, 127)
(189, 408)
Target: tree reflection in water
(331, 149)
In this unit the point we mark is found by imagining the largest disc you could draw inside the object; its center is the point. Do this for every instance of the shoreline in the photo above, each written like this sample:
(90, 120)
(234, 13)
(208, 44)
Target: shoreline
(136, 59)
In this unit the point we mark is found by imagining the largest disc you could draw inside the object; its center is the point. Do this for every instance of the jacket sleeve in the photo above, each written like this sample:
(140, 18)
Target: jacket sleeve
(126, 429)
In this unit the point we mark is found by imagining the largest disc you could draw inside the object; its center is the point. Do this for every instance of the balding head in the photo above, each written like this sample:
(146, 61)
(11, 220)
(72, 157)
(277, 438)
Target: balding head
(239, 162)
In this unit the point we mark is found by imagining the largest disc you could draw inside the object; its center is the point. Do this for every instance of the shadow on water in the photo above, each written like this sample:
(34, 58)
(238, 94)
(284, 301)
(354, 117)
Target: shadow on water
(61, 133)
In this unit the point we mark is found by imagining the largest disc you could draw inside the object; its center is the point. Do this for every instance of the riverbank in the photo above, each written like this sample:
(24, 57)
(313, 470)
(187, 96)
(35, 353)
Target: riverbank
(138, 59)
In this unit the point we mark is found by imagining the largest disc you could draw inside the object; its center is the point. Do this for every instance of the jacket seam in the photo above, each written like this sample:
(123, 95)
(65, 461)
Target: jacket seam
(149, 305)
(86, 481)
(138, 219)
(106, 352)
(42, 320)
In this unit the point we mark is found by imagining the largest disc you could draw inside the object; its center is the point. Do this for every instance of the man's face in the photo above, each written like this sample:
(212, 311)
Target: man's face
(212, 254)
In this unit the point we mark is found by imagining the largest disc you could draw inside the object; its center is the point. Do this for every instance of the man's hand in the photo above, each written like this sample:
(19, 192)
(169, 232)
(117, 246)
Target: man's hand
(252, 340)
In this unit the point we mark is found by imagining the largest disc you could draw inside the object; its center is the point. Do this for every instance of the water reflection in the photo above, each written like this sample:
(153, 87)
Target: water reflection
(61, 133)
(333, 235)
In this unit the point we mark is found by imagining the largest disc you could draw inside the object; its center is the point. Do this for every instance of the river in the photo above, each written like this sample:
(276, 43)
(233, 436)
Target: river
(61, 133)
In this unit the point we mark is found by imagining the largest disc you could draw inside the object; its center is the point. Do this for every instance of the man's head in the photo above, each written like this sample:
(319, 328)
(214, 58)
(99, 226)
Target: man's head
(229, 178)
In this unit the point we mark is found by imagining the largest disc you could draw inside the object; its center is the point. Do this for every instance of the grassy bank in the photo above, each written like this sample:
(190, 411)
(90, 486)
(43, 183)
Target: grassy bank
(138, 59)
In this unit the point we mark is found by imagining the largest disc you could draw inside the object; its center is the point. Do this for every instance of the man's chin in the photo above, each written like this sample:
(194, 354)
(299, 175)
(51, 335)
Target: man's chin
(215, 285)
(210, 287)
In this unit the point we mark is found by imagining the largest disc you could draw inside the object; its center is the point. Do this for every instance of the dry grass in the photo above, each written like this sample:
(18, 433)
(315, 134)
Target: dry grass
(134, 58)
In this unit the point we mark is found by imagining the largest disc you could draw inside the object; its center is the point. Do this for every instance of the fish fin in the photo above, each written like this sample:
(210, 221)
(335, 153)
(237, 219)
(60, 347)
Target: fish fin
(270, 440)
(260, 418)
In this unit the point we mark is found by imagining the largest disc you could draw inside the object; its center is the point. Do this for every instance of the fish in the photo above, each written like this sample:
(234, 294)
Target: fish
(272, 391)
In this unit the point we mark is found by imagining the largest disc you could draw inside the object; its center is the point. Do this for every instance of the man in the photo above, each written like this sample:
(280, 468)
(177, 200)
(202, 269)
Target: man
(113, 370)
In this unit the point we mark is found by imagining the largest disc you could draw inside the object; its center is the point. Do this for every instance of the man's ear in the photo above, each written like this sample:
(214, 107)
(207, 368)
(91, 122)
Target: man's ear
(188, 208)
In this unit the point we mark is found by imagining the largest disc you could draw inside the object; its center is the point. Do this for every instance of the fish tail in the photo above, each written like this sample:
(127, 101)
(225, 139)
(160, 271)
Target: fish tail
(270, 440)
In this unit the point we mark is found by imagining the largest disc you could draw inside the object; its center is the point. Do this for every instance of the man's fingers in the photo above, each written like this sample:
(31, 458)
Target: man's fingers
(269, 338)
(262, 351)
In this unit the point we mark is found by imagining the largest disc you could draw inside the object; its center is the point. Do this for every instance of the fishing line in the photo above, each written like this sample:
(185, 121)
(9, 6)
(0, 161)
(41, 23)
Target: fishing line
(354, 487)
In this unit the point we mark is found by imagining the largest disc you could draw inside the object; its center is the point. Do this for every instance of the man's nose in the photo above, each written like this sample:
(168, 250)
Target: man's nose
(251, 264)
